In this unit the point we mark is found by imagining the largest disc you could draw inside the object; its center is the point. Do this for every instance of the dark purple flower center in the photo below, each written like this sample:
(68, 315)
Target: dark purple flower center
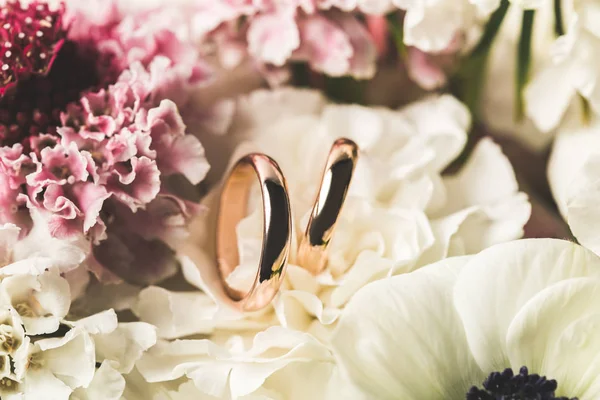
(41, 71)
(506, 385)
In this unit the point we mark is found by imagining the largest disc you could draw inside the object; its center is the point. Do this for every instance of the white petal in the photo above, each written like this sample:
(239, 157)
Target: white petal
(71, 357)
(431, 28)
(497, 282)
(170, 312)
(292, 347)
(46, 296)
(486, 178)
(555, 334)
(108, 384)
(367, 267)
(401, 338)
(447, 132)
(570, 151)
(64, 254)
(9, 235)
(103, 322)
(582, 203)
(548, 96)
(125, 345)
(297, 310)
(42, 384)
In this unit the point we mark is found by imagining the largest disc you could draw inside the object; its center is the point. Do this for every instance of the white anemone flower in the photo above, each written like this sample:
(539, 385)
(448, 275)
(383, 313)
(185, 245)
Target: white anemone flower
(400, 214)
(456, 326)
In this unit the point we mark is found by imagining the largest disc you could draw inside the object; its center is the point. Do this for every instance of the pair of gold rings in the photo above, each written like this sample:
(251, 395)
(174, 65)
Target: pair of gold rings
(277, 221)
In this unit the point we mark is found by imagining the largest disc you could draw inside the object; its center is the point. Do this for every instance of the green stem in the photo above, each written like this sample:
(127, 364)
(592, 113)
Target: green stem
(523, 61)
(491, 29)
(396, 26)
(559, 27)
(467, 83)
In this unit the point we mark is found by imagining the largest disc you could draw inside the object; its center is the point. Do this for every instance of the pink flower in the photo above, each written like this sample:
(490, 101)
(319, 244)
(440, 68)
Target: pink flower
(31, 37)
(274, 33)
(94, 155)
(145, 38)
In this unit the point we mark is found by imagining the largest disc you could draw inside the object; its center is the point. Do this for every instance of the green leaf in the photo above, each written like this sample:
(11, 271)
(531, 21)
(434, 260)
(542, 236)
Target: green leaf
(559, 27)
(396, 27)
(467, 83)
(491, 29)
(523, 61)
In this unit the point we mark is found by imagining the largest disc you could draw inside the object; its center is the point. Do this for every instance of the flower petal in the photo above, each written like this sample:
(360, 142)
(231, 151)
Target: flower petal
(582, 203)
(401, 338)
(108, 384)
(555, 334)
(497, 282)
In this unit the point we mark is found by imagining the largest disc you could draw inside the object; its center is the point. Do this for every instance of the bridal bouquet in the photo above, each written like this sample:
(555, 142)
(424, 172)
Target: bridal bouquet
(301, 199)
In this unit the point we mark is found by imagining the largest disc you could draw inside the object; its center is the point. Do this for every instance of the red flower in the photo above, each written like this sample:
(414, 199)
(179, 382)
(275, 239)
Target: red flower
(31, 36)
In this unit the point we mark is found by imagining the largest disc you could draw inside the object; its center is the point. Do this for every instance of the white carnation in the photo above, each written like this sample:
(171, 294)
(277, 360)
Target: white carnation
(400, 214)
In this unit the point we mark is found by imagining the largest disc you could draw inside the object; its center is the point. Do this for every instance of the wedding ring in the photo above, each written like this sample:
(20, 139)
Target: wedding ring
(335, 183)
(277, 229)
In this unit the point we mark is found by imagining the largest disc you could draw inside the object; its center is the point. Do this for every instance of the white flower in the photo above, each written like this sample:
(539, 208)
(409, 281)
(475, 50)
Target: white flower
(43, 355)
(574, 173)
(573, 72)
(498, 97)
(431, 25)
(435, 333)
(573, 147)
(236, 365)
(400, 214)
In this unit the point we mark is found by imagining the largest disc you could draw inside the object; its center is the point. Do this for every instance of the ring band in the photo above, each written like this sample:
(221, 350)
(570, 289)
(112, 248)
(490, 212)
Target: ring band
(277, 229)
(335, 183)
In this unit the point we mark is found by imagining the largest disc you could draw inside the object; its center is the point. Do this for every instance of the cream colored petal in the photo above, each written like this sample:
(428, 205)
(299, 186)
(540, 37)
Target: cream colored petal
(486, 178)
(499, 281)
(447, 132)
(102, 323)
(368, 266)
(125, 345)
(108, 384)
(571, 149)
(582, 197)
(72, 357)
(400, 338)
(9, 235)
(42, 384)
(42, 301)
(297, 310)
(556, 334)
(170, 312)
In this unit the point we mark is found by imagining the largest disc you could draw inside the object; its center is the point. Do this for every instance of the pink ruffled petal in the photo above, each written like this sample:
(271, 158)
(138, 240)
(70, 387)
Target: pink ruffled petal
(272, 38)
(90, 199)
(325, 45)
(364, 51)
(137, 184)
(183, 155)
(59, 165)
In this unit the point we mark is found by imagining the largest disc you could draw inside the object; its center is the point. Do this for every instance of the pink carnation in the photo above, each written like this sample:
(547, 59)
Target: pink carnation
(96, 153)
(275, 33)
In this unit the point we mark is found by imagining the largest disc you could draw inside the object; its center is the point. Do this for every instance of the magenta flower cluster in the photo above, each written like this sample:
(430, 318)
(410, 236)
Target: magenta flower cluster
(104, 161)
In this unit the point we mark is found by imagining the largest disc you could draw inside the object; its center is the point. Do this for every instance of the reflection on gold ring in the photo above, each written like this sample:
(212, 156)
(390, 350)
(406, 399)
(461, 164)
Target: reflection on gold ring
(335, 183)
(277, 229)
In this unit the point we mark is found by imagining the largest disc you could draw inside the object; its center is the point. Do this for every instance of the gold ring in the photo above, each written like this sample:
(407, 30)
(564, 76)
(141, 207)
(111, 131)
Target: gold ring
(335, 183)
(277, 229)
